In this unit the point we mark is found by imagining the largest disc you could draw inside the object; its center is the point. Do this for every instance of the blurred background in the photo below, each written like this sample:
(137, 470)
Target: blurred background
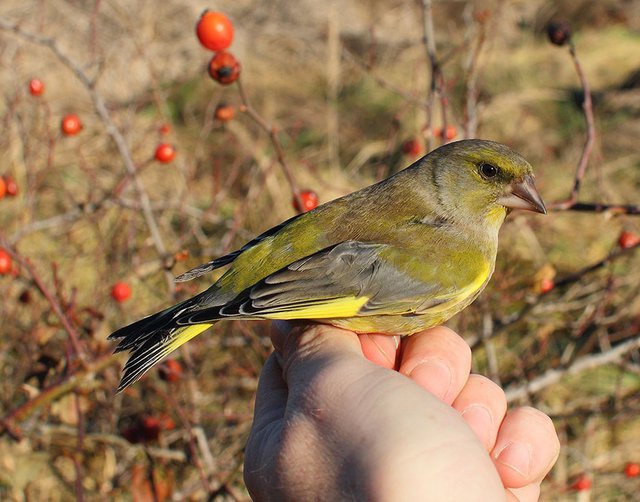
(120, 172)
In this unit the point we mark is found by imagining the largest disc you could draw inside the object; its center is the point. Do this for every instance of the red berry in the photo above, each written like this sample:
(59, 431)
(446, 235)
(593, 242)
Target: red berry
(214, 30)
(628, 240)
(6, 264)
(412, 147)
(309, 201)
(71, 125)
(224, 112)
(11, 186)
(150, 428)
(133, 434)
(121, 292)
(632, 469)
(559, 32)
(25, 297)
(167, 423)
(481, 16)
(165, 153)
(165, 129)
(3, 187)
(449, 132)
(170, 370)
(181, 255)
(36, 87)
(546, 285)
(146, 429)
(582, 483)
(224, 68)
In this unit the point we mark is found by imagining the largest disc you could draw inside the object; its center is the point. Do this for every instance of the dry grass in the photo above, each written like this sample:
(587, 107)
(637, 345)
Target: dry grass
(341, 126)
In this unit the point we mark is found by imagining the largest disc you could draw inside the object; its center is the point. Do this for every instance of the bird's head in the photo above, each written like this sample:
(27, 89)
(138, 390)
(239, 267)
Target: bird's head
(480, 181)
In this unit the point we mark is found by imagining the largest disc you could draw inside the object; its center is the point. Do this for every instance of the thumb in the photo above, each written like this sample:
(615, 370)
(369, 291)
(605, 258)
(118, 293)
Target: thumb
(304, 350)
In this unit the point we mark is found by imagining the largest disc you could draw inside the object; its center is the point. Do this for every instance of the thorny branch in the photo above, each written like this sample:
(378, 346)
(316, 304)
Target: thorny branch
(587, 107)
(571, 203)
(501, 325)
(583, 363)
(436, 84)
(9, 423)
(111, 129)
(272, 131)
(57, 309)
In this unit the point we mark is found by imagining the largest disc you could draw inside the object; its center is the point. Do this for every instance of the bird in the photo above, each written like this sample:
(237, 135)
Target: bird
(396, 257)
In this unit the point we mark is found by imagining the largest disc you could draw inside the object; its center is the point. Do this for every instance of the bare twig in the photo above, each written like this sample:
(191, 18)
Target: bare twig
(190, 430)
(430, 47)
(597, 207)
(56, 307)
(584, 363)
(502, 325)
(67, 384)
(65, 433)
(591, 135)
(111, 129)
(614, 255)
(79, 451)
(272, 131)
(382, 82)
(436, 84)
(471, 80)
(151, 479)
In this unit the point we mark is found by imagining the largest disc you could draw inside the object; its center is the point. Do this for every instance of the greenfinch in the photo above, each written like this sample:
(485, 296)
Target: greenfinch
(396, 257)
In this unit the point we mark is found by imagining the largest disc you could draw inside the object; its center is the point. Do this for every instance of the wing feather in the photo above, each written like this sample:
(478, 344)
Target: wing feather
(205, 268)
(344, 280)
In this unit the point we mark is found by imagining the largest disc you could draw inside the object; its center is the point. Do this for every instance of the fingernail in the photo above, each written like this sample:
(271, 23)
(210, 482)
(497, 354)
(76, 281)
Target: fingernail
(433, 375)
(479, 418)
(517, 456)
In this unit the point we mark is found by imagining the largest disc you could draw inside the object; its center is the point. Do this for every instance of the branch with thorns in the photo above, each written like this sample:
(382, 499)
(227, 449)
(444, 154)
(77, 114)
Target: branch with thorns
(112, 130)
(560, 34)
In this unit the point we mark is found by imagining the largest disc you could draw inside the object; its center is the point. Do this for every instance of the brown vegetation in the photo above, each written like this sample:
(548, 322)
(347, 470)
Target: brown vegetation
(331, 94)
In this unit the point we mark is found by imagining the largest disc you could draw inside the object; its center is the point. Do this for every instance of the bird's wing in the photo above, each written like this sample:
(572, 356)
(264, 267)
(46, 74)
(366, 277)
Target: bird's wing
(348, 279)
(205, 268)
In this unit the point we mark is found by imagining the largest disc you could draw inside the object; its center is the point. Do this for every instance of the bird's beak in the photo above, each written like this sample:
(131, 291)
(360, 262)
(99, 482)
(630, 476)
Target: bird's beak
(523, 195)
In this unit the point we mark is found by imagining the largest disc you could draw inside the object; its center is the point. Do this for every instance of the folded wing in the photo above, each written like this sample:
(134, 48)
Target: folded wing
(348, 279)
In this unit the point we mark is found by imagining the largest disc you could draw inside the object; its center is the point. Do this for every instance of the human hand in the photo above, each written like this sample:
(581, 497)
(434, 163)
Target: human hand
(331, 424)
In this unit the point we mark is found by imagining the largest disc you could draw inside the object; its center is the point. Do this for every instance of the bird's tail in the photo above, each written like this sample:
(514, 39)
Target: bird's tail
(153, 338)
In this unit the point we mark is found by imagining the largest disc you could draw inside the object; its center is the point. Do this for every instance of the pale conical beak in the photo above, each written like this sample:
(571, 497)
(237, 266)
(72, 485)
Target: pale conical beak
(523, 195)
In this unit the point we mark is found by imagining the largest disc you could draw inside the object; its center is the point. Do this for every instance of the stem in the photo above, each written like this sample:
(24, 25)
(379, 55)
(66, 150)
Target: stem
(581, 364)
(273, 135)
(111, 129)
(587, 107)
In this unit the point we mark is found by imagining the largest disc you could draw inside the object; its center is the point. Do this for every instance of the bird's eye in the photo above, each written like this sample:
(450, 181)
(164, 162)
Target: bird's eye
(488, 170)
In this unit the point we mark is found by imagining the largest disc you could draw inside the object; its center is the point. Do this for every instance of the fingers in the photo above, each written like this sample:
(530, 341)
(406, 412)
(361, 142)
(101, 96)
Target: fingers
(304, 350)
(526, 448)
(438, 360)
(529, 493)
(380, 349)
(483, 405)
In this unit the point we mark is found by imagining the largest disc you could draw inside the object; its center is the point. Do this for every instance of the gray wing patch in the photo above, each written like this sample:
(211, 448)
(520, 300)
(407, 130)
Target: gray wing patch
(350, 268)
(343, 270)
(226, 259)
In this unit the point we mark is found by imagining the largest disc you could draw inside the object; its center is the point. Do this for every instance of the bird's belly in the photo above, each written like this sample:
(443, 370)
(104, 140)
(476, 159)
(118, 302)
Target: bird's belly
(404, 324)
(389, 324)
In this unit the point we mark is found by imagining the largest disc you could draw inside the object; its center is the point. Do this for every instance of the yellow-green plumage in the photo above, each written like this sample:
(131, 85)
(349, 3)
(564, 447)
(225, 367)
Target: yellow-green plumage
(396, 257)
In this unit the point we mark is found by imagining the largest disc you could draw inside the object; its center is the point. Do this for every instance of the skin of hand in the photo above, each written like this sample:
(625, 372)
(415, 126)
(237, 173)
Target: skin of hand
(333, 422)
